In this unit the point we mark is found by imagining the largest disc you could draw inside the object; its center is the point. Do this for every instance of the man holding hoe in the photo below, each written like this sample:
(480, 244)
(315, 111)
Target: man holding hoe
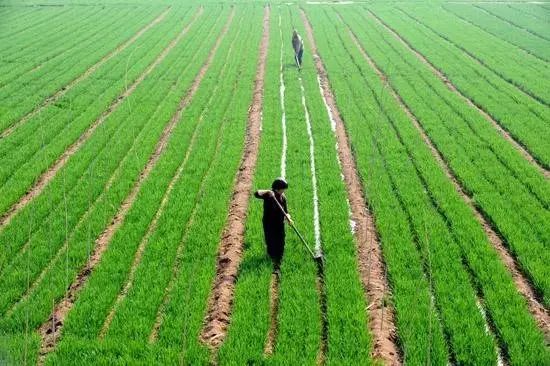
(275, 214)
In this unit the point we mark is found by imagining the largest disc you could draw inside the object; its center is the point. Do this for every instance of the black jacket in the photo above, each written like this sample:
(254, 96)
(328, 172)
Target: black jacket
(272, 213)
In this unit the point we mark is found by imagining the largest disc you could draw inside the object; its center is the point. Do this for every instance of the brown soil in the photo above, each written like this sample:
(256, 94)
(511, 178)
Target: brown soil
(273, 312)
(523, 285)
(231, 245)
(45, 178)
(453, 88)
(371, 264)
(51, 329)
(53, 98)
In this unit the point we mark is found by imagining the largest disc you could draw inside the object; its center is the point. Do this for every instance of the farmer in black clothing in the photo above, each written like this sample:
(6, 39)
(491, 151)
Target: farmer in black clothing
(274, 219)
(298, 45)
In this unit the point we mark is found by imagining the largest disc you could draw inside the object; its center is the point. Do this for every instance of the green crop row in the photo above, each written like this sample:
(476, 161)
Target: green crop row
(26, 52)
(82, 192)
(299, 314)
(518, 113)
(510, 192)
(533, 25)
(446, 232)
(299, 332)
(17, 20)
(534, 10)
(501, 29)
(92, 204)
(525, 71)
(33, 147)
(83, 163)
(197, 138)
(30, 83)
(45, 244)
(419, 331)
(192, 220)
(27, 25)
(451, 287)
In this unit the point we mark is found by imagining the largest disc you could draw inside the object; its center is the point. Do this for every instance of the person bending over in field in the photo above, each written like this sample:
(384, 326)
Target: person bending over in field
(275, 213)
(298, 45)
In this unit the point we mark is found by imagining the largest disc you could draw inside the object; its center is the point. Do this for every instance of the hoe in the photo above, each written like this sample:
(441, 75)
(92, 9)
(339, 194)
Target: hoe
(318, 258)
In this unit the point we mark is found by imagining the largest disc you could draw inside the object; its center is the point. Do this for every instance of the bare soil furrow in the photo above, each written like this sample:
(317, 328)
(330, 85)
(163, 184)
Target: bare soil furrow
(517, 145)
(47, 176)
(370, 258)
(53, 98)
(523, 285)
(271, 338)
(51, 329)
(231, 244)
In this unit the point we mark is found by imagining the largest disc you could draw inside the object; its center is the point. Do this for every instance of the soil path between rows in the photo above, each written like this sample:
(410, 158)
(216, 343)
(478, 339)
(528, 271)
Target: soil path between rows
(370, 258)
(523, 285)
(51, 330)
(516, 144)
(49, 174)
(61, 92)
(231, 244)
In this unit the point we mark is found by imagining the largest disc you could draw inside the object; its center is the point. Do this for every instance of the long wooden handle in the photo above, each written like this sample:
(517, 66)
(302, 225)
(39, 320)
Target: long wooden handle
(295, 229)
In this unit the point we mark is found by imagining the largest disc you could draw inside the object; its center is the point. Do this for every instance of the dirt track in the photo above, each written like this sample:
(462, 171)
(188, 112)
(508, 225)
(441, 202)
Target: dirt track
(231, 244)
(371, 264)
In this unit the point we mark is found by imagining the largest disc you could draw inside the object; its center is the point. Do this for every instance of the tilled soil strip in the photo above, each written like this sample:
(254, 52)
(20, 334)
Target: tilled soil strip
(53, 98)
(371, 264)
(45, 178)
(522, 283)
(231, 245)
(274, 288)
(454, 89)
(51, 329)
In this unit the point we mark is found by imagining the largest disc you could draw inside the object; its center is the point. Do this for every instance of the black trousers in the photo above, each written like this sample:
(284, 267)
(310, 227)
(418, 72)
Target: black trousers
(299, 56)
(275, 242)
